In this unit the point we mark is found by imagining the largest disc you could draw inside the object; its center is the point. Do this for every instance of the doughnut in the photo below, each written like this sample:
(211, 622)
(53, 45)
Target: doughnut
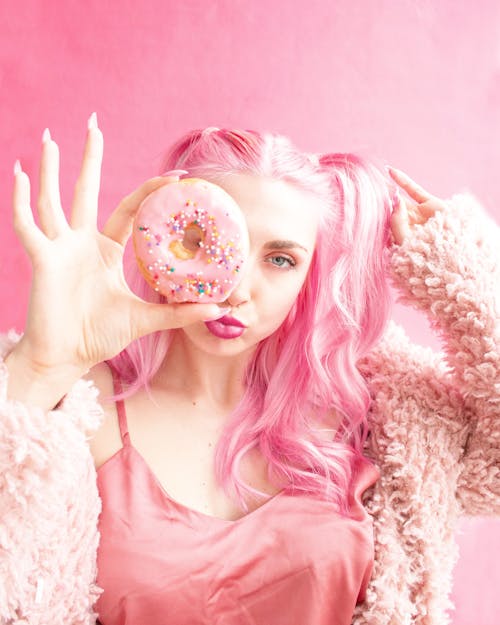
(191, 241)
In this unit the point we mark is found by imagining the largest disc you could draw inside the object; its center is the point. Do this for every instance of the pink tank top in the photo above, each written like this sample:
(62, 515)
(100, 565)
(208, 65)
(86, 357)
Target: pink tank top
(292, 560)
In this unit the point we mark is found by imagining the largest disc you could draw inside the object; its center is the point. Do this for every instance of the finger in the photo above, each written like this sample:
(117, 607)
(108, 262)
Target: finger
(415, 216)
(149, 318)
(85, 200)
(415, 191)
(50, 213)
(23, 222)
(400, 226)
(119, 225)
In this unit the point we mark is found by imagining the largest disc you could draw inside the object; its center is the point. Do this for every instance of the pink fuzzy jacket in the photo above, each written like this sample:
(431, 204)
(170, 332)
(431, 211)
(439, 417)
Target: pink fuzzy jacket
(435, 437)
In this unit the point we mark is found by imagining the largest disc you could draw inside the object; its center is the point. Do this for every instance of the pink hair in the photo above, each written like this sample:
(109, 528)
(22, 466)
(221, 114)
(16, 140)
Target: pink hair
(308, 365)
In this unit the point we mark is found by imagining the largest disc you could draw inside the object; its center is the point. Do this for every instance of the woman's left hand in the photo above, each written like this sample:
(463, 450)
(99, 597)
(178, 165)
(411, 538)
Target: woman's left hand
(405, 213)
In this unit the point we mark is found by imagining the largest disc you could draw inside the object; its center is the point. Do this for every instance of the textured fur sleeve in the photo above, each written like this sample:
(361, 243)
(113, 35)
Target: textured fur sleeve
(450, 268)
(49, 507)
(418, 428)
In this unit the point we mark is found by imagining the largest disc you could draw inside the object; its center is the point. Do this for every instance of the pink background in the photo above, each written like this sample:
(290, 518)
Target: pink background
(415, 83)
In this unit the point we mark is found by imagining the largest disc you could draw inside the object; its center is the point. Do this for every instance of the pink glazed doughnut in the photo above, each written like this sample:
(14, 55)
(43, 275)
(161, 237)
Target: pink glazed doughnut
(191, 241)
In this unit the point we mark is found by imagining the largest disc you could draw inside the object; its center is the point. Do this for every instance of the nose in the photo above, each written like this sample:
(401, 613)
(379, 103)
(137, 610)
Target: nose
(241, 293)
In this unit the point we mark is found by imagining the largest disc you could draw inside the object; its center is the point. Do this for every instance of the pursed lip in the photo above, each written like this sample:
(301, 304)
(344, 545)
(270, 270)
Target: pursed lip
(227, 320)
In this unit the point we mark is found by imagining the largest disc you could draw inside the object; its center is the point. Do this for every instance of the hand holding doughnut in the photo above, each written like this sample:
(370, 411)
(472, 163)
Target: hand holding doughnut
(81, 309)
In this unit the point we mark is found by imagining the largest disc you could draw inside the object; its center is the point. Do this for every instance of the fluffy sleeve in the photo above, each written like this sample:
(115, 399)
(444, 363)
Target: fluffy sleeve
(49, 507)
(449, 267)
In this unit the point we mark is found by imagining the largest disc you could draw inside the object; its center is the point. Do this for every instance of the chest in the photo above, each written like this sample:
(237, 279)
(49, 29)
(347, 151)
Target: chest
(177, 440)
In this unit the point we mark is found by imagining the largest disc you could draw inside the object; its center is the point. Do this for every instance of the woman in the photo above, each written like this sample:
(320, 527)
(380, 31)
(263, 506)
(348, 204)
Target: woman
(369, 446)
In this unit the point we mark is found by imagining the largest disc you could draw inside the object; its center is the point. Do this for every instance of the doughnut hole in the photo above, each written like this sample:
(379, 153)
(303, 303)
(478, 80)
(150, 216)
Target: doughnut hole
(193, 237)
(191, 242)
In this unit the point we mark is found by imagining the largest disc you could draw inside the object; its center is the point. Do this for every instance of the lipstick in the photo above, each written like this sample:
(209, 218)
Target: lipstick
(231, 321)
(226, 327)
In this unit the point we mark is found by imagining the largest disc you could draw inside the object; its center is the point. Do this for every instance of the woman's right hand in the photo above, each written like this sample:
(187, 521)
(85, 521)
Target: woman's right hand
(81, 310)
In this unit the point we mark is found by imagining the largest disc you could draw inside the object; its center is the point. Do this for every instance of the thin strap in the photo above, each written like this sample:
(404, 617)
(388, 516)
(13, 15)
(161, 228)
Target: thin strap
(120, 406)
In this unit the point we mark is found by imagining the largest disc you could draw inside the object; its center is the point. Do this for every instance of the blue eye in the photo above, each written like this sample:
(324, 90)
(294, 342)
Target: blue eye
(290, 261)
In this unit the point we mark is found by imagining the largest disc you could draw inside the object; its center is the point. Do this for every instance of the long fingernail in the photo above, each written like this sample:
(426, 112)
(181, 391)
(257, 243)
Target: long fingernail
(92, 121)
(46, 135)
(399, 173)
(174, 172)
(17, 167)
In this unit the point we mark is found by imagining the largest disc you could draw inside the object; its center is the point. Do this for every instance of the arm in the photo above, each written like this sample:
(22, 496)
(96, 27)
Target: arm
(36, 388)
(449, 267)
(49, 505)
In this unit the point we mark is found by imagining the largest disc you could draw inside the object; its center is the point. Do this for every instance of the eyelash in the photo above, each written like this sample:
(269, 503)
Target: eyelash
(290, 260)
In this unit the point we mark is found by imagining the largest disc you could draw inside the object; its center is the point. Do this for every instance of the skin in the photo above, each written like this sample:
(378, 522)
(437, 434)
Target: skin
(201, 365)
(273, 209)
(201, 377)
(408, 213)
(204, 365)
(78, 276)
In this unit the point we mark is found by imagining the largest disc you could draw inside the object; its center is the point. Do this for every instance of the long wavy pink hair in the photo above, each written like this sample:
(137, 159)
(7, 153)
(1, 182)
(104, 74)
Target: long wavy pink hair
(308, 365)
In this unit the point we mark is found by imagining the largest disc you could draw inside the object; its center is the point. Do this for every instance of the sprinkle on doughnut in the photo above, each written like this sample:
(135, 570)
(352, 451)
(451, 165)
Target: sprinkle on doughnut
(192, 259)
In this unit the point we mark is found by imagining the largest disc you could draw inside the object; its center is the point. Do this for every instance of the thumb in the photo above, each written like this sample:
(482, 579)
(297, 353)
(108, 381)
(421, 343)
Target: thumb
(153, 317)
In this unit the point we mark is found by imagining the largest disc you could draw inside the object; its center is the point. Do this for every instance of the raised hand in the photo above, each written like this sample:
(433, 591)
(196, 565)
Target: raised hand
(81, 309)
(407, 213)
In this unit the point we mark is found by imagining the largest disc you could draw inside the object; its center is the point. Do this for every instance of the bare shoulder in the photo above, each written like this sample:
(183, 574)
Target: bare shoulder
(106, 440)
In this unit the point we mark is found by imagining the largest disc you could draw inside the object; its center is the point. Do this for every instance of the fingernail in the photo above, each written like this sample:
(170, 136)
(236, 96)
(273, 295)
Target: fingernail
(46, 135)
(17, 167)
(174, 172)
(398, 172)
(92, 121)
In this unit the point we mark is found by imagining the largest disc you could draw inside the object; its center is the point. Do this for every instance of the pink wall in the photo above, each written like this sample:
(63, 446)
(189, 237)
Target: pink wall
(414, 82)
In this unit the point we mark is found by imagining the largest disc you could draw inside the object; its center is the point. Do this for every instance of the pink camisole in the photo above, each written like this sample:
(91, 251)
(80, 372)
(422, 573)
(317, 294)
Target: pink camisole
(291, 560)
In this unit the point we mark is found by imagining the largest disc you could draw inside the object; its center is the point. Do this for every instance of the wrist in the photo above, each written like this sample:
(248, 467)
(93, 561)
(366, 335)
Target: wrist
(37, 386)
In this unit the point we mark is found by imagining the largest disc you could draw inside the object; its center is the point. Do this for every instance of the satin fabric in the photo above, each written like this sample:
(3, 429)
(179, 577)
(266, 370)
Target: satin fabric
(292, 560)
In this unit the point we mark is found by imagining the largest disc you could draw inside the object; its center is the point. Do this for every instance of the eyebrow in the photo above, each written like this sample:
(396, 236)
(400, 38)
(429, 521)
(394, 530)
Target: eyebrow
(281, 244)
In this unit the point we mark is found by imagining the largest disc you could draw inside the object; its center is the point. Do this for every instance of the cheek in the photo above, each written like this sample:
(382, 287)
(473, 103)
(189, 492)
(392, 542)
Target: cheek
(278, 299)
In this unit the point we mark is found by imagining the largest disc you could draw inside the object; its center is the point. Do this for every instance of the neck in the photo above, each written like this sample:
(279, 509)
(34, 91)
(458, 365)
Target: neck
(201, 376)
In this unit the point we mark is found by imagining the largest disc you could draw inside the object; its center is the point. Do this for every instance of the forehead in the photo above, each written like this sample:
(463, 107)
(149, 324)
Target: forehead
(273, 209)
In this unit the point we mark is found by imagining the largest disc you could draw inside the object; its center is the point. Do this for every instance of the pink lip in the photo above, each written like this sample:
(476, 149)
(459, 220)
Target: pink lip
(223, 330)
(231, 321)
